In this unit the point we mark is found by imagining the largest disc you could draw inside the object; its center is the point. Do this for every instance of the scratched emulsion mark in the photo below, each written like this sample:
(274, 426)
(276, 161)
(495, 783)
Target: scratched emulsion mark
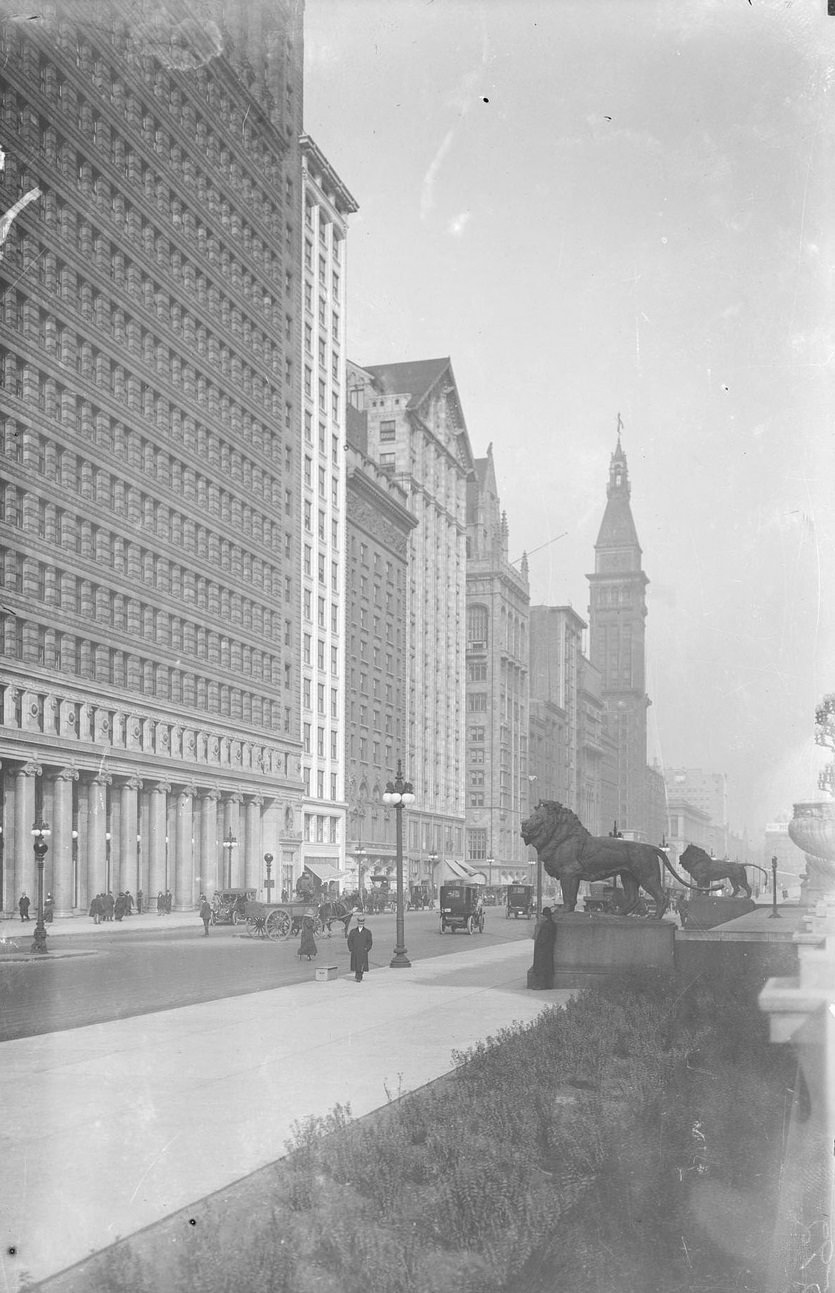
(8, 217)
(180, 46)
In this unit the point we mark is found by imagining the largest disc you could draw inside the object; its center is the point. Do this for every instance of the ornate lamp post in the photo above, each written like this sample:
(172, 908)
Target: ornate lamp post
(433, 861)
(774, 913)
(229, 843)
(40, 834)
(269, 882)
(359, 856)
(399, 794)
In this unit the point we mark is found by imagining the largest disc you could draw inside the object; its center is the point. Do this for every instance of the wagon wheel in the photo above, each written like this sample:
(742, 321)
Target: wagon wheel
(256, 926)
(318, 926)
(235, 917)
(473, 924)
(278, 924)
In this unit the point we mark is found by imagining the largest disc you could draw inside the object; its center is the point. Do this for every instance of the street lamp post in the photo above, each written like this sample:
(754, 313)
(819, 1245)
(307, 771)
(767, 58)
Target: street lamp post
(774, 913)
(399, 794)
(433, 861)
(229, 844)
(359, 857)
(40, 834)
(269, 882)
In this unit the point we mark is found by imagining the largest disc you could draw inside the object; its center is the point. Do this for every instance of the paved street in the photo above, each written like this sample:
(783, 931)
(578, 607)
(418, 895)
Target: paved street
(120, 971)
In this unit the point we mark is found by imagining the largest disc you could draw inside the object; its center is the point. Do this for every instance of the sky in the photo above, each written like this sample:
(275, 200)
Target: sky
(622, 207)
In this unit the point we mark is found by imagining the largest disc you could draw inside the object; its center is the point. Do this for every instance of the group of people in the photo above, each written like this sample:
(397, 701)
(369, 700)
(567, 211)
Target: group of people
(105, 907)
(164, 902)
(24, 903)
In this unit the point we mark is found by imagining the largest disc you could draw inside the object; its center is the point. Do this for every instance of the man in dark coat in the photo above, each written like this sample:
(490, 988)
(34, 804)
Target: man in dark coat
(359, 945)
(23, 906)
(205, 913)
(542, 975)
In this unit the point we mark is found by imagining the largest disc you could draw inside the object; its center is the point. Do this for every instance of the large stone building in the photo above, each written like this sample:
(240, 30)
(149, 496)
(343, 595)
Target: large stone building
(417, 433)
(497, 731)
(376, 581)
(326, 207)
(151, 412)
(617, 615)
(556, 652)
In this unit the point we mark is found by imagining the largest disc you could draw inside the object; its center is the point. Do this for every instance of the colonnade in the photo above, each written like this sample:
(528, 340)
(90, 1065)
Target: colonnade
(112, 831)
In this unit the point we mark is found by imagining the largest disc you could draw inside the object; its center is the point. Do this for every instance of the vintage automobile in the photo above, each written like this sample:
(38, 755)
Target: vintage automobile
(520, 901)
(461, 907)
(229, 906)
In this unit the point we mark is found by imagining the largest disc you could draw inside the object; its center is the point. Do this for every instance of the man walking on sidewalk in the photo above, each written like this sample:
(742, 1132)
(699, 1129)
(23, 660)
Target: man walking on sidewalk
(359, 945)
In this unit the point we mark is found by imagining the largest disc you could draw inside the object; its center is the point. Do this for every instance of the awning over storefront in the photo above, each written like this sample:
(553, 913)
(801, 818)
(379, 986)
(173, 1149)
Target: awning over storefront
(323, 870)
(465, 872)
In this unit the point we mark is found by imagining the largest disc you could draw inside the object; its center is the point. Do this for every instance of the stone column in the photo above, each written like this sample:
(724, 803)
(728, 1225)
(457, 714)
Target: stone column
(128, 830)
(233, 868)
(158, 821)
(25, 872)
(209, 863)
(253, 863)
(61, 842)
(96, 831)
(183, 886)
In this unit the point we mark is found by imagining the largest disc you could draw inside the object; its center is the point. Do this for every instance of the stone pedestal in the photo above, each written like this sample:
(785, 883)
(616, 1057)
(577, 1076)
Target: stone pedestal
(705, 913)
(590, 948)
(812, 829)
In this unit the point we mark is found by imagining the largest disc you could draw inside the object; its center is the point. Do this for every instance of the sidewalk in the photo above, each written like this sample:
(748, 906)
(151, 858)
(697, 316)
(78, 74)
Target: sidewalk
(22, 931)
(106, 1128)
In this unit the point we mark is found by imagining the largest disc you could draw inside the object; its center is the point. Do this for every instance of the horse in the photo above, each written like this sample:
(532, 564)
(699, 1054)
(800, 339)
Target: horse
(571, 854)
(335, 910)
(706, 871)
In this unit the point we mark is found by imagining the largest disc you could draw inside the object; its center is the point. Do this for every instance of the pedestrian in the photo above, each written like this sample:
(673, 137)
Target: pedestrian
(119, 906)
(359, 945)
(205, 913)
(49, 909)
(307, 946)
(109, 905)
(160, 903)
(128, 902)
(23, 906)
(168, 901)
(139, 902)
(542, 972)
(95, 908)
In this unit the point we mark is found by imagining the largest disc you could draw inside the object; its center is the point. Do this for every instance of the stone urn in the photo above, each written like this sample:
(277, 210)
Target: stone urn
(812, 829)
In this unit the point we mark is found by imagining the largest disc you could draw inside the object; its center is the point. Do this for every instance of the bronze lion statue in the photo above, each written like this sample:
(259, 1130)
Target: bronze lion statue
(708, 871)
(571, 854)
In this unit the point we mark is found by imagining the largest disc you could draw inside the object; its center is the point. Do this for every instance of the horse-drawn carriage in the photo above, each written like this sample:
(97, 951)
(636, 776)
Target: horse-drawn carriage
(229, 906)
(520, 901)
(461, 908)
(284, 919)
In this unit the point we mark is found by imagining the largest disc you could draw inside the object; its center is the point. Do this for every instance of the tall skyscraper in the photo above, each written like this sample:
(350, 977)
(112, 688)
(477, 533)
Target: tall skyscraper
(497, 730)
(416, 432)
(617, 615)
(327, 204)
(152, 405)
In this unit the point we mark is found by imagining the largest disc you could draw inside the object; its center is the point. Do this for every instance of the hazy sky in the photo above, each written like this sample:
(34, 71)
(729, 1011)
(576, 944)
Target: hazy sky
(622, 206)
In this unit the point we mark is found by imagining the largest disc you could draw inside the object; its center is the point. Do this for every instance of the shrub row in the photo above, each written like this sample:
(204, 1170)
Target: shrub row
(562, 1154)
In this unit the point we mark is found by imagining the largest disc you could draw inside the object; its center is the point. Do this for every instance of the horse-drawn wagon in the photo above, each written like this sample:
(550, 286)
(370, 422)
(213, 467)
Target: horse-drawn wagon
(278, 920)
(461, 908)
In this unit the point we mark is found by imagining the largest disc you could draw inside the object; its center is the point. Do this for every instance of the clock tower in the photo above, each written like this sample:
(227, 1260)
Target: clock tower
(617, 626)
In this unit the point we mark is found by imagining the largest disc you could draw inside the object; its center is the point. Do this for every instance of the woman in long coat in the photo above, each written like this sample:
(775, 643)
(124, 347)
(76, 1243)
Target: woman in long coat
(307, 946)
(542, 975)
(359, 945)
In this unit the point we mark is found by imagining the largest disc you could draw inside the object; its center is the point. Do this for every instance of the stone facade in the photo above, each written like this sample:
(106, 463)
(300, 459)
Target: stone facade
(150, 425)
(497, 695)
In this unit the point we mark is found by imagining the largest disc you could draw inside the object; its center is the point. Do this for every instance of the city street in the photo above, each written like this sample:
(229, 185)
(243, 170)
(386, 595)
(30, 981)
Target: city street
(122, 973)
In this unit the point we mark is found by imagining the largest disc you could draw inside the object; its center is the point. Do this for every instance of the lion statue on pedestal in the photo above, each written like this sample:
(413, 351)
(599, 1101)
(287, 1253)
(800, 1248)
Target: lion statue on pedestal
(708, 871)
(571, 854)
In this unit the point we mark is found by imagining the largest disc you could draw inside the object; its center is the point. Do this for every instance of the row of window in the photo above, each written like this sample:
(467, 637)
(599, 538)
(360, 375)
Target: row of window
(319, 829)
(74, 472)
(52, 586)
(39, 644)
(93, 542)
(320, 741)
